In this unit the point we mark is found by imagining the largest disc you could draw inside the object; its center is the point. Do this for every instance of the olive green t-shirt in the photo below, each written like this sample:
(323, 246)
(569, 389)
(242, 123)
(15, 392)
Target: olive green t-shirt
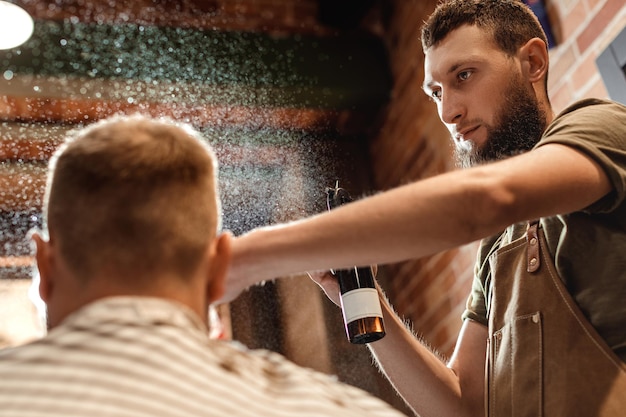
(588, 246)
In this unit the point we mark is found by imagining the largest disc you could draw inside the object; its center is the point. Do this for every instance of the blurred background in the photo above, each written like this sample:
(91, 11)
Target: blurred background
(294, 95)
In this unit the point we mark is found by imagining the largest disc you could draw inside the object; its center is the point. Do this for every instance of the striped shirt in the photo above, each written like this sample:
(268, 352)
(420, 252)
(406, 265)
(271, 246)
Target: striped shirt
(139, 357)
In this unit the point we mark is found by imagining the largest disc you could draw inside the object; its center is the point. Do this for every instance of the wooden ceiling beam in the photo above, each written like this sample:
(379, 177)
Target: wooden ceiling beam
(277, 17)
(35, 143)
(74, 111)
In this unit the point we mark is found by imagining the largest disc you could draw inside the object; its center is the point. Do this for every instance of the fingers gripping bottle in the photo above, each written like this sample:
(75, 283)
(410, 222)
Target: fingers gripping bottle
(362, 313)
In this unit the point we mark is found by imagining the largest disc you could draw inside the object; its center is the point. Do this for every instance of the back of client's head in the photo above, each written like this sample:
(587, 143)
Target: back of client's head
(131, 198)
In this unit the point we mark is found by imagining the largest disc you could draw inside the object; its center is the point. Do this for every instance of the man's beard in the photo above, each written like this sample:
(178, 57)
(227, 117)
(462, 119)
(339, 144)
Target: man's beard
(519, 126)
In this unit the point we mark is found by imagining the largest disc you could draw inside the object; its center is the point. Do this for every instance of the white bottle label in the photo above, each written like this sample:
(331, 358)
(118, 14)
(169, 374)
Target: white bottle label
(360, 303)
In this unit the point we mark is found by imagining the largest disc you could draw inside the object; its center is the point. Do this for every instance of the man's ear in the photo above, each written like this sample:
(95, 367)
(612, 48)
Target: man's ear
(43, 257)
(534, 55)
(219, 258)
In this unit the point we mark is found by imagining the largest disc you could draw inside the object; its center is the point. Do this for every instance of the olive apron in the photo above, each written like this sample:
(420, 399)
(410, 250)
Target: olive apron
(543, 357)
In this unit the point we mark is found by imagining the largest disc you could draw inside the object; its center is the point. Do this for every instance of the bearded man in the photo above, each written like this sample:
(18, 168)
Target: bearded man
(543, 332)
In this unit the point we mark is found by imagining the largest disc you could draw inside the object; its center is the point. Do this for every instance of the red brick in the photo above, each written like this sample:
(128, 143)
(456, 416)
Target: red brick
(583, 72)
(561, 97)
(571, 22)
(560, 65)
(596, 90)
(599, 22)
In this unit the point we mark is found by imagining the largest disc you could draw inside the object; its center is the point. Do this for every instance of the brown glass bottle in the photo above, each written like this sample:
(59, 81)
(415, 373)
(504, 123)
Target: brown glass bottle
(362, 313)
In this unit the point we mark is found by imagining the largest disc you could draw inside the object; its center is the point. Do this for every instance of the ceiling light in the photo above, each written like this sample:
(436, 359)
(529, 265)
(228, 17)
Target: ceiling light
(16, 25)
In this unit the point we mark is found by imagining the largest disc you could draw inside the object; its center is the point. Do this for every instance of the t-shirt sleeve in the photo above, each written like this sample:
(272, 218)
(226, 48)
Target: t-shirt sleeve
(598, 129)
(475, 307)
(478, 299)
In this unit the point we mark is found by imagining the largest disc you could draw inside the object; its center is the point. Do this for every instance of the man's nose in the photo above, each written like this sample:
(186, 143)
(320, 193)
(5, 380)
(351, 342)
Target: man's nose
(451, 108)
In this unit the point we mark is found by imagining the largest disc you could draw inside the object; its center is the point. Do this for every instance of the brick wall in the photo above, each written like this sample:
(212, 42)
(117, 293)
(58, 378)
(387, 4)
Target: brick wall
(431, 292)
(583, 29)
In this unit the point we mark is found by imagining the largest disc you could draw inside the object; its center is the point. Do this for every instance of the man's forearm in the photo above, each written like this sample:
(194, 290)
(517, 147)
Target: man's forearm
(417, 373)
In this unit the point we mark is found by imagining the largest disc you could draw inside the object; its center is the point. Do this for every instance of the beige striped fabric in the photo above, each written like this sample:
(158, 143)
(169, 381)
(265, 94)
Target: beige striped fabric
(140, 357)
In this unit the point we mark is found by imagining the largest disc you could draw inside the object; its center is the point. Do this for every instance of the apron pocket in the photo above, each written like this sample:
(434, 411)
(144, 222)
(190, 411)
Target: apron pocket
(517, 390)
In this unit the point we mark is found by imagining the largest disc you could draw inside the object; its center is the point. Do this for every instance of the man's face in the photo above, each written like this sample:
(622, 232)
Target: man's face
(482, 98)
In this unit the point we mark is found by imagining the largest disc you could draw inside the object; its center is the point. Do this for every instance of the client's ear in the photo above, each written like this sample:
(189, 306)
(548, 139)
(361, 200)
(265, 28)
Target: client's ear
(219, 258)
(43, 256)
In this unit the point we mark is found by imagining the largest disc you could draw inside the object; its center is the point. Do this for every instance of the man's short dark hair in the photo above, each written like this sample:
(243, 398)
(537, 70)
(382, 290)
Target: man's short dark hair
(510, 22)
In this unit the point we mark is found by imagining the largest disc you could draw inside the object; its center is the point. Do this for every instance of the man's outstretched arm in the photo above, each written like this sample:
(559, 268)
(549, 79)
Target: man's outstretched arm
(421, 218)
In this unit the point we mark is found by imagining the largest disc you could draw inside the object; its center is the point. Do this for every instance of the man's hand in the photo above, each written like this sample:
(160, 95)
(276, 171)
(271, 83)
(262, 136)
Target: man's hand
(329, 284)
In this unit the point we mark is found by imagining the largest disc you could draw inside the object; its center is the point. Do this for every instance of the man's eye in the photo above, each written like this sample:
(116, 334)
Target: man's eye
(436, 95)
(464, 75)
